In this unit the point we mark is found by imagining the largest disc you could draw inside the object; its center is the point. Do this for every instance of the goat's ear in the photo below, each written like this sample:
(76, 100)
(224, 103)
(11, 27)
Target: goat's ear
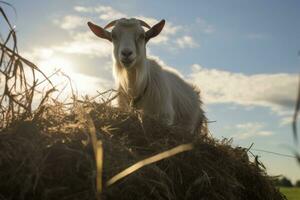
(99, 31)
(155, 30)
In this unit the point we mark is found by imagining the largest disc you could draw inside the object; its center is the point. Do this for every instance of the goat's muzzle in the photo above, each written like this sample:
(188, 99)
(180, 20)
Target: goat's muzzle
(126, 57)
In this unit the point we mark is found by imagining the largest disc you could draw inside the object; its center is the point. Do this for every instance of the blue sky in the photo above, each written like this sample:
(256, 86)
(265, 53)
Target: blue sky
(242, 54)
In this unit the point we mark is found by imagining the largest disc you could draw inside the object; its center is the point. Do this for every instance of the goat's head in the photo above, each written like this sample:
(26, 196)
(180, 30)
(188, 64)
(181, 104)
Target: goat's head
(129, 39)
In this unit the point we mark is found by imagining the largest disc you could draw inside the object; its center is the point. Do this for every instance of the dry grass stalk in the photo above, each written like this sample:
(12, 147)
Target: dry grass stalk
(150, 160)
(18, 90)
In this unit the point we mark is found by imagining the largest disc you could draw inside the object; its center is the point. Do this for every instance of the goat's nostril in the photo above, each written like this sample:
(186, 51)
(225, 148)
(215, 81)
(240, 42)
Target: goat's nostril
(126, 52)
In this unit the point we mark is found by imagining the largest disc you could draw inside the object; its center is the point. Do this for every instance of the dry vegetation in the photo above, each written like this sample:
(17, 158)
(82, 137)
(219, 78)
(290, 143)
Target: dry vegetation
(66, 151)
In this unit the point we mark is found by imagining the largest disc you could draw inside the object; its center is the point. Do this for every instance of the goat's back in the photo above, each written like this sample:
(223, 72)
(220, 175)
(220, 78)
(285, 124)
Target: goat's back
(185, 98)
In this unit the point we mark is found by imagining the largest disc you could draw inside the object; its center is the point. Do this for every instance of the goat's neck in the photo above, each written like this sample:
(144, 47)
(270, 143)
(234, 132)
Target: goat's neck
(134, 80)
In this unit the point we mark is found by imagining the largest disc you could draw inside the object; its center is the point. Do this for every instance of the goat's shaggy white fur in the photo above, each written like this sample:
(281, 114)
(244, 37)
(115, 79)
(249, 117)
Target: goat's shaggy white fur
(148, 86)
(167, 96)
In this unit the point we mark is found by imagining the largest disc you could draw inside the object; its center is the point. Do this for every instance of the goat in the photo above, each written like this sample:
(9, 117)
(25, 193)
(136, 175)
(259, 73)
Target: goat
(144, 84)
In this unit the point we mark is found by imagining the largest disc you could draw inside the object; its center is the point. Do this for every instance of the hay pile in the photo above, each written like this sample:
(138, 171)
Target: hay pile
(51, 157)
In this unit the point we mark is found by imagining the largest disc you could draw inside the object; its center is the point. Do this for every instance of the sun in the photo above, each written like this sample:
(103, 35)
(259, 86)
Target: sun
(60, 71)
(65, 72)
(57, 63)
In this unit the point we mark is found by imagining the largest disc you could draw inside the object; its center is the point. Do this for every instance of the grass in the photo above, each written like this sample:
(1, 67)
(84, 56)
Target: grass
(291, 193)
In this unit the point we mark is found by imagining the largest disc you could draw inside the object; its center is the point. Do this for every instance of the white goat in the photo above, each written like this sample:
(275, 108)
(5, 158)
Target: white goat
(143, 83)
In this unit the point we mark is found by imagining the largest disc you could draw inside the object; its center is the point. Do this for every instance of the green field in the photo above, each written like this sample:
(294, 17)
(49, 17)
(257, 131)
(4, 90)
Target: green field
(291, 193)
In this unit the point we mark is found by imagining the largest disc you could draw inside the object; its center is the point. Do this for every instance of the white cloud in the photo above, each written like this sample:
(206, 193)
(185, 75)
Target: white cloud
(83, 9)
(108, 13)
(250, 125)
(49, 60)
(275, 91)
(264, 133)
(70, 22)
(81, 42)
(64, 57)
(251, 129)
(286, 121)
(186, 41)
(86, 43)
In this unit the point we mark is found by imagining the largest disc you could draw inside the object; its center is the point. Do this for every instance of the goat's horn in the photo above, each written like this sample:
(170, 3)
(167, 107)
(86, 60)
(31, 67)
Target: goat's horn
(144, 24)
(110, 24)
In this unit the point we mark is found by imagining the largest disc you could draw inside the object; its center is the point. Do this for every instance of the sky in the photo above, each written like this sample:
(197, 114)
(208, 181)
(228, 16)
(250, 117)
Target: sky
(242, 54)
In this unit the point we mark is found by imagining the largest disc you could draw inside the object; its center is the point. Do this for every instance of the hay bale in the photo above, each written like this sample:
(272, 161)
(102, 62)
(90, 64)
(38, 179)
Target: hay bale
(51, 157)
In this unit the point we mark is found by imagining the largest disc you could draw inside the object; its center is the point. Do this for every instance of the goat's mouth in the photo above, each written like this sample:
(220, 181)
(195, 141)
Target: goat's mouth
(127, 62)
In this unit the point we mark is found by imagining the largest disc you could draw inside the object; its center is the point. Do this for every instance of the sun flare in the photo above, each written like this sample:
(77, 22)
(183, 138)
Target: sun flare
(58, 63)
(65, 72)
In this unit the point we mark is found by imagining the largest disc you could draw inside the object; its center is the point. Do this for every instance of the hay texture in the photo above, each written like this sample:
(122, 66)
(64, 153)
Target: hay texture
(52, 158)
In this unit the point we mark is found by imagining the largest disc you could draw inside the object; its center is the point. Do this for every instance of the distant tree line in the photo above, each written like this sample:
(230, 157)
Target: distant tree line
(285, 182)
